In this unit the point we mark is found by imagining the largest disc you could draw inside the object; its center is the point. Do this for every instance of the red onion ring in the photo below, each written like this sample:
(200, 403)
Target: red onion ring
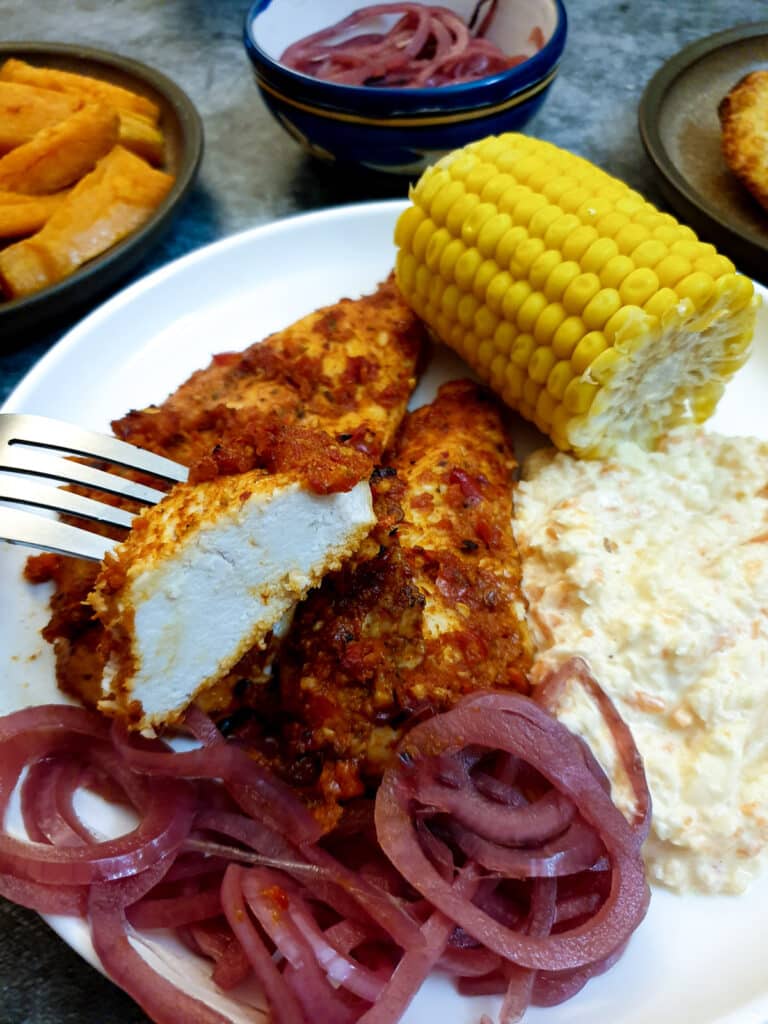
(425, 46)
(332, 931)
(517, 725)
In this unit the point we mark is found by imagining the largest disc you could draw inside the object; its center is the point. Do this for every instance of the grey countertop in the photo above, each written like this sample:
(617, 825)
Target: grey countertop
(253, 173)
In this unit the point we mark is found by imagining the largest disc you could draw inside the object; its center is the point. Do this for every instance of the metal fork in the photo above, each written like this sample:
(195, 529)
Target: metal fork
(41, 448)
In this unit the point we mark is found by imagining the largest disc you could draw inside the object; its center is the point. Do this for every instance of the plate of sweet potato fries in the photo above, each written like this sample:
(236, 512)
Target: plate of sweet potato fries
(96, 151)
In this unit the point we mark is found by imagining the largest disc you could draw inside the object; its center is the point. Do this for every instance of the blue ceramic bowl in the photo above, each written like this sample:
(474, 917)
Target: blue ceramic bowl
(400, 130)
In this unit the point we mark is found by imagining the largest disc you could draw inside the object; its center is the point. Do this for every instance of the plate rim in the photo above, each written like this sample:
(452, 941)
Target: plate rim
(14, 312)
(648, 123)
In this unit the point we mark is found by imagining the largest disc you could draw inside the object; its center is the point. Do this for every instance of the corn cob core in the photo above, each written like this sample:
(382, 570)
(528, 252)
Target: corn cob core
(589, 311)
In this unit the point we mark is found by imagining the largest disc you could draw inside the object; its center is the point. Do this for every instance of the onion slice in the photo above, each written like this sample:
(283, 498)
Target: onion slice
(424, 46)
(517, 725)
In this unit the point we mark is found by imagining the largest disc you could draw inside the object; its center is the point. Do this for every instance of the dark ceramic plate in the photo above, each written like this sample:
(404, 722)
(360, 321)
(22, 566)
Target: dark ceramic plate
(184, 147)
(681, 133)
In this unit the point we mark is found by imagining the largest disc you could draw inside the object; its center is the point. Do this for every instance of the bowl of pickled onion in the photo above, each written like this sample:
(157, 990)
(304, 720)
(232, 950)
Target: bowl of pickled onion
(393, 86)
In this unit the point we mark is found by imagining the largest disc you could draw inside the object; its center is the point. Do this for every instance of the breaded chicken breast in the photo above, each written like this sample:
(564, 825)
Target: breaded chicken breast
(205, 575)
(429, 610)
(347, 369)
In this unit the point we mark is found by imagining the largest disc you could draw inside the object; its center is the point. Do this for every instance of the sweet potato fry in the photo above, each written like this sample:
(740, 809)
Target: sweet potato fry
(141, 136)
(57, 156)
(25, 110)
(104, 207)
(24, 215)
(93, 90)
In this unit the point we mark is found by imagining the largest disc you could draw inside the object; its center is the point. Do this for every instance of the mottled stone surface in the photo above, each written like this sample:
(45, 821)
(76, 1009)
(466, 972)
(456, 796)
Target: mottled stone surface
(252, 173)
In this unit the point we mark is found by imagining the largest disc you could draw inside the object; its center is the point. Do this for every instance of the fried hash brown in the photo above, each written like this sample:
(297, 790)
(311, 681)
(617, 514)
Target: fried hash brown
(744, 120)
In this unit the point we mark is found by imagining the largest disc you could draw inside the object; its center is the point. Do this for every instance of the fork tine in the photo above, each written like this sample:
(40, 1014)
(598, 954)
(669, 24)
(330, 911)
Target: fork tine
(40, 431)
(28, 528)
(26, 492)
(26, 460)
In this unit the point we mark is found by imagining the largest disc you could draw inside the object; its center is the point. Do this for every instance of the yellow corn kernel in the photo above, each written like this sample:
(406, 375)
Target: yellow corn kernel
(545, 409)
(567, 336)
(542, 267)
(661, 302)
(548, 322)
(485, 353)
(579, 292)
(526, 254)
(638, 286)
(587, 350)
(504, 337)
(510, 197)
(559, 278)
(467, 265)
(619, 321)
(705, 399)
(579, 395)
(522, 350)
(496, 372)
(603, 368)
(473, 225)
(543, 219)
(498, 287)
(601, 308)
(648, 253)
(450, 301)
(615, 270)
(508, 243)
(406, 270)
(407, 224)
(592, 313)
(715, 265)
(672, 268)
(526, 207)
(513, 384)
(467, 309)
(560, 228)
(579, 240)
(423, 281)
(485, 322)
(560, 376)
(530, 310)
(542, 361)
(514, 299)
(495, 187)
(462, 165)
(630, 237)
(460, 212)
(486, 272)
(611, 223)
(738, 288)
(479, 176)
(435, 247)
(597, 255)
(698, 286)
(491, 233)
(444, 200)
(433, 181)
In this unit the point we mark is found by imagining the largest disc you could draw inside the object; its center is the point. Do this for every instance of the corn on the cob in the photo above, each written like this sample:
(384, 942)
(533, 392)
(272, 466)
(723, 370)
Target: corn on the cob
(588, 310)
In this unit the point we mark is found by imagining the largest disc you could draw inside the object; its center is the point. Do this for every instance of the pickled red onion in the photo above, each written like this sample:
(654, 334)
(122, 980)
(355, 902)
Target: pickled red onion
(331, 934)
(426, 46)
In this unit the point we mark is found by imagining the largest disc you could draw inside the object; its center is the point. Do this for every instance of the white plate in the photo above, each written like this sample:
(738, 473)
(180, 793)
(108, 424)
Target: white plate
(694, 959)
